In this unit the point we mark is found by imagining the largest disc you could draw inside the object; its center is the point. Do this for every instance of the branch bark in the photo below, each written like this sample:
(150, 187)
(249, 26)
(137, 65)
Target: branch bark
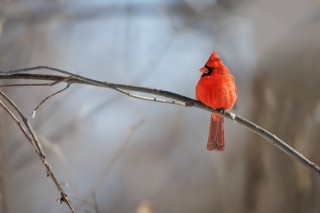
(30, 135)
(171, 98)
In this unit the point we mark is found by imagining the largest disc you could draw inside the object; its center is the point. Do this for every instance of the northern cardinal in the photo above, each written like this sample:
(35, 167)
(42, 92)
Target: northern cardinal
(217, 89)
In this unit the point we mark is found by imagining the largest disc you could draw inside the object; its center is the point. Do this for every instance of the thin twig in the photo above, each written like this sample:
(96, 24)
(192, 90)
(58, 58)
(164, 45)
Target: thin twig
(48, 97)
(23, 130)
(34, 141)
(117, 155)
(3, 192)
(35, 85)
(188, 102)
(93, 204)
(130, 94)
(42, 84)
(24, 85)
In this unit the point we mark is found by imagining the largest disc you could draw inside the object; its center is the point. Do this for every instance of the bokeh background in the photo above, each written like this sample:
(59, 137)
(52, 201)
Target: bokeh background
(116, 154)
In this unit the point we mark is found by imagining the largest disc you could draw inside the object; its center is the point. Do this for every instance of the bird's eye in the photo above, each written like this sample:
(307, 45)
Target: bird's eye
(210, 69)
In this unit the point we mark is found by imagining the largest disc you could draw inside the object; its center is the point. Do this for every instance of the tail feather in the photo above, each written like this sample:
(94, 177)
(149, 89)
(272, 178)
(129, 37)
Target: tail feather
(216, 133)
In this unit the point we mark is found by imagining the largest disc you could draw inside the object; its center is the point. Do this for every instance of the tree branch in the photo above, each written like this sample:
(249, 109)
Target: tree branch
(50, 96)
(30, 135)
(174, 98)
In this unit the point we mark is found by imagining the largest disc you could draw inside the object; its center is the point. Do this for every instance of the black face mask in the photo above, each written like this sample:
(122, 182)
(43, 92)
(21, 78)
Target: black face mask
(210, 70)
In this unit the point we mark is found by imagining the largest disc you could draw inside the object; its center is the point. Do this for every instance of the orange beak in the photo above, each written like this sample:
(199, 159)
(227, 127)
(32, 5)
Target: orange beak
(204, 70)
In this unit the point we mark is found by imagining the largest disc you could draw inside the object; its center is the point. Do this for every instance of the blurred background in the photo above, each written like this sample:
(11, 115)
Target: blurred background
(112, 153)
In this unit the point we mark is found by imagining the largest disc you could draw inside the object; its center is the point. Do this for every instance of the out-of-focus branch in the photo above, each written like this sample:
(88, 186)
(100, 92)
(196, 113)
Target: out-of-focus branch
(117, 154)
(30, 135)
(92, 203)
(50, 96)
(3, 194)
(174, 98)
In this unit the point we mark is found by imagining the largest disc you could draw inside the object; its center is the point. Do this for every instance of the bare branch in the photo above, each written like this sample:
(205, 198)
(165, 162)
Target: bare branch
(30, 135)
(176, 99)
(3, 192)
(23, 130)
(47, 98)
(150, 98)
(34, 85)
(93, 204)
(24, 85)
(117, 154)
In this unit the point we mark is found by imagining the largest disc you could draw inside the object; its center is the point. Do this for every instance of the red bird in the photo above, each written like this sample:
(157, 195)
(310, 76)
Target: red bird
(217, 89)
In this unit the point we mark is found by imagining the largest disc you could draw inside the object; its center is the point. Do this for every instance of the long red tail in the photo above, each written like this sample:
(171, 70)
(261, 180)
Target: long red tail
(216, 133)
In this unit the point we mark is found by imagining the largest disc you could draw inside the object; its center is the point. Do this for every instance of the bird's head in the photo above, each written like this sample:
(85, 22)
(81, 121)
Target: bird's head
(212, 63)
